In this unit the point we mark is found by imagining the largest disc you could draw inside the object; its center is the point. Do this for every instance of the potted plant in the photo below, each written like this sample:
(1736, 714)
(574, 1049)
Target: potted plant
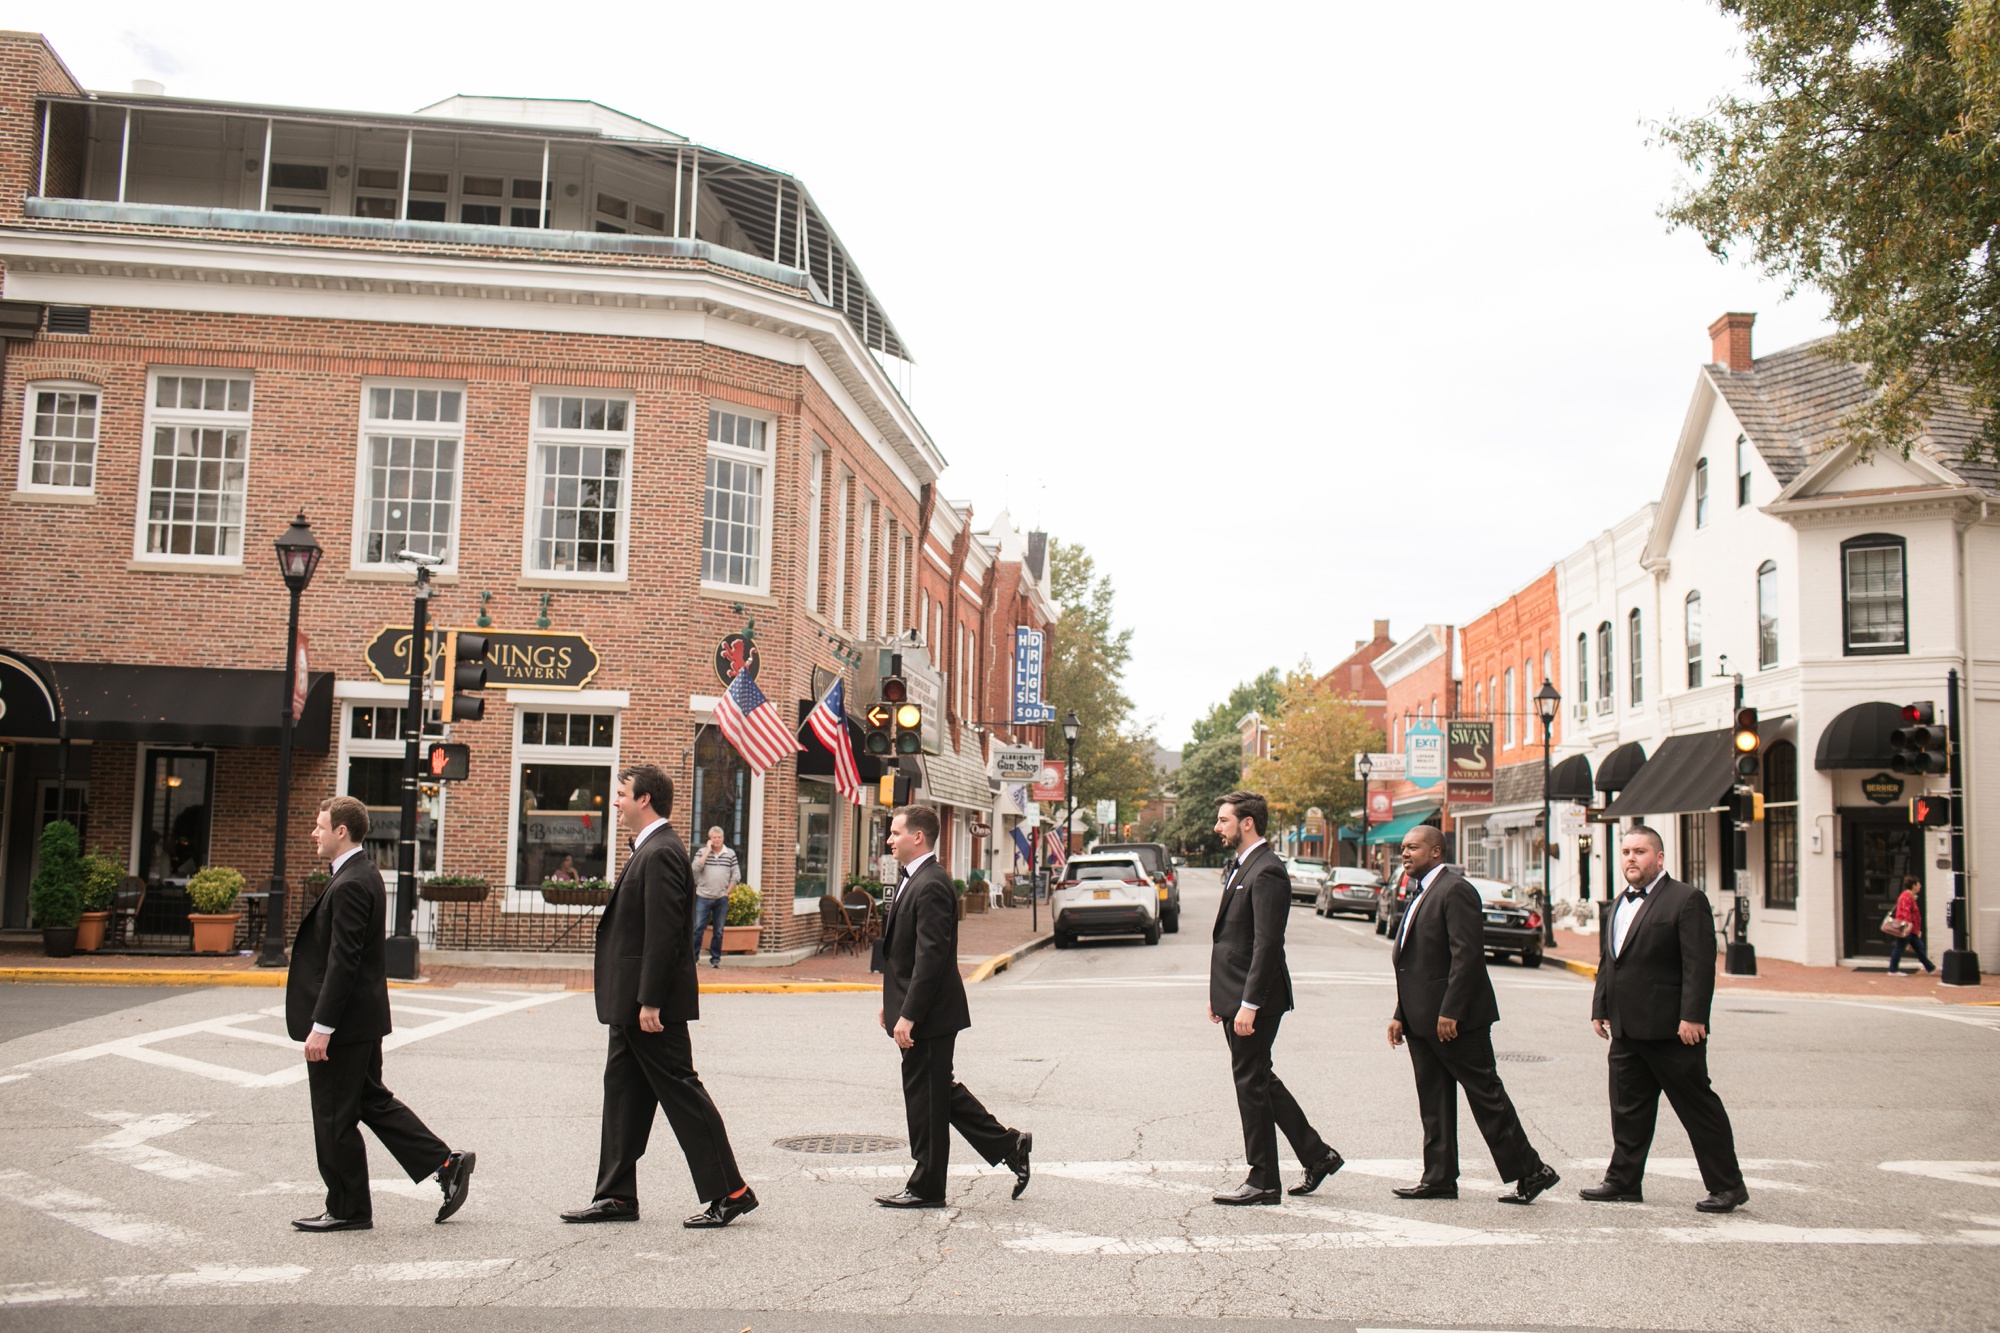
(454, 889)
(958, 890)
(56, 896)
(576, 892)
(868, 884)
(740, 928)
(977, 897)
(315, 884)
(101, 878)
(211, 893)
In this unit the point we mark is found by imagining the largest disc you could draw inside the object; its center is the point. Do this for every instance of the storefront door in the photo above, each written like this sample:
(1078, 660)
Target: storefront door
(173, 839)
(1878, 848)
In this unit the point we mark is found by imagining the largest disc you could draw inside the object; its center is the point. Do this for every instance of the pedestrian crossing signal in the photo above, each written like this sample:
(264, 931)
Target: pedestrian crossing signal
(1931, 811)
(447, 762)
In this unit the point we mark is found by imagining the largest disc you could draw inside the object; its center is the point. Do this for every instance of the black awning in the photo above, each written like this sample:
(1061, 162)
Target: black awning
(1858, 738)
(1621, 766)
(1686, 774)
(30, 707)
(1570, 780)
(175, 705)
(816, 761)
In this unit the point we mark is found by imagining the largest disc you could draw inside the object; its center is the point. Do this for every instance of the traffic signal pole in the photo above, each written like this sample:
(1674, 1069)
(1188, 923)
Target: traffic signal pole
(401, 947)
(1739, 956)
(1960, 964)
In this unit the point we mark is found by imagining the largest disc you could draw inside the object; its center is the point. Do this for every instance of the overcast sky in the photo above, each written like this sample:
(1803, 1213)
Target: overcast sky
(1294, 316)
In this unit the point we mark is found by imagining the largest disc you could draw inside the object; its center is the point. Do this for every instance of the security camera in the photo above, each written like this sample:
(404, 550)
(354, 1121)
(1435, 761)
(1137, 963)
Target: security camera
(419, 558)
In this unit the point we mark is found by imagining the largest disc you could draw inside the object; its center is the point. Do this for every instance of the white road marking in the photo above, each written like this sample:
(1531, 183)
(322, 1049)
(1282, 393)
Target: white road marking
(1978, 1018)
(1963, 1173)
(36, 1293)
(425, 1270)
(130, 1147)
(1686, 1168)
(409, 1189)
(207, 1275)
(1770, 1233)
(1367, 1231)
(91, 1214)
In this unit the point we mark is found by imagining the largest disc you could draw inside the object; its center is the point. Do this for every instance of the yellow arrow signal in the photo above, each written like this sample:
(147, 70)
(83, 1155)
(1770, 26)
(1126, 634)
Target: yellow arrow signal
(878, 715)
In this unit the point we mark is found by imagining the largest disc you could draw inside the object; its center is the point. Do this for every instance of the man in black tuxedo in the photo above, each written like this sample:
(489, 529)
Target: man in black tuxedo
(924, 1010)
(337, 1003)
(1249, 990)
(647, 995)
(1655, 983)
(1445, 1010)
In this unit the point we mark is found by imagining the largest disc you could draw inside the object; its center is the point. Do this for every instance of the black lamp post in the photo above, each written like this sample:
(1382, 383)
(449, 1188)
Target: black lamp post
(1071, 729)
(1366, 766)
(1547, 700)
(298, 557)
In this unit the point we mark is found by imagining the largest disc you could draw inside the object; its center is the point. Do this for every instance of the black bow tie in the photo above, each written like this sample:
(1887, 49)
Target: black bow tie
(1635, 895)
(902, 873)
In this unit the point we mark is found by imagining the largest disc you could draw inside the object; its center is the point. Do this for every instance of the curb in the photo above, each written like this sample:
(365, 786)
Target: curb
(787, 987)
(1579, 967)
(1000, 962)
(122, 976)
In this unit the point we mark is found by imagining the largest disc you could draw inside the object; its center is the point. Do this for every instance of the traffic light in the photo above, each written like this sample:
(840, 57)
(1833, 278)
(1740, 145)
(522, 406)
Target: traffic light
(1920, 745)
(1748, 806)
(464, 671)
(894, 789)
(448, 763)
(879, 739)
(1747, 742)
(909, 728)
(1931, 812)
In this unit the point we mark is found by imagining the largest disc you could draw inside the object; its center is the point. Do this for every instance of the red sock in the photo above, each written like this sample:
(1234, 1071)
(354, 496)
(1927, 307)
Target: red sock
(740, 1193)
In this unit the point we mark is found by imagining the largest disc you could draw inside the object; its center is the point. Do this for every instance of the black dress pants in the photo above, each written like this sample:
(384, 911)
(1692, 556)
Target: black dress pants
(347, 1093)
(1265, 1104)
(1640, 1072)
(644, 1070)
(1466, 1061)
(936, 1104)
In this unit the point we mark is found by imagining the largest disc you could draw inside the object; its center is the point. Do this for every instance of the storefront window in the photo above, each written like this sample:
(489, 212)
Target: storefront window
(812, 879)
(721, 794)
(173, 837)
(1781, 825)
(565, 811)
(1694, 851)
(374, 776)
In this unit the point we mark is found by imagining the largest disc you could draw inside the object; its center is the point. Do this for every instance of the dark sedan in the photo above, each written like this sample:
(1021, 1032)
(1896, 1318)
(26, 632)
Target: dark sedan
(1512, 926)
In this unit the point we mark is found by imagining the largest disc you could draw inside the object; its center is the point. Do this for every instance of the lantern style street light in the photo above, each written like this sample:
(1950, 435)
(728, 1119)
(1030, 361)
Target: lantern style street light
(298, 557)
(1547, 701)
(1367, 766)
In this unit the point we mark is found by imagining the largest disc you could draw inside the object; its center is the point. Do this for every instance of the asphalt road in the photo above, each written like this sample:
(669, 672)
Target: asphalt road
(153, 1154)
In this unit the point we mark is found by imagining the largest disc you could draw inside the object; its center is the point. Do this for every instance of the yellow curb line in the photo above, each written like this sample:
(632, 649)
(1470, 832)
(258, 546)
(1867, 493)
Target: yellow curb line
(1000, 962)
(83, 976)
(1579, 967)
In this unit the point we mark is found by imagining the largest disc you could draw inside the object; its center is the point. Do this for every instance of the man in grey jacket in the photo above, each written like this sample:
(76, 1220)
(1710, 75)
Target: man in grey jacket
(716, 872)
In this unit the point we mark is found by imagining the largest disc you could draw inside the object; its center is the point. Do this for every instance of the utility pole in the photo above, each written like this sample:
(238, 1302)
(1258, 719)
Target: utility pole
(1960, 965)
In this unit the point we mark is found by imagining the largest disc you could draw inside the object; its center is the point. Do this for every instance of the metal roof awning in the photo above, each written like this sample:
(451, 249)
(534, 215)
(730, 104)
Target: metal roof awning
(1621, 766)
(1394, 830)
(176, 705)
(1686, 774)
(952, 779)
(1570, 780)
(1858, 737)
(1513, 819)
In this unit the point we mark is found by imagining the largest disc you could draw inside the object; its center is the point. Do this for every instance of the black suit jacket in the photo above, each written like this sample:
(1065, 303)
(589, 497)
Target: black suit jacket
(1440, 962)
(1666, 974)
(1247, 963)
(643, 952)
(339, 974)
(920, 978)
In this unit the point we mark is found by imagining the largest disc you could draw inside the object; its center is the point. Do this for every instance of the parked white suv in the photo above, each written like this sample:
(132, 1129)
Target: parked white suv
(1104, 893)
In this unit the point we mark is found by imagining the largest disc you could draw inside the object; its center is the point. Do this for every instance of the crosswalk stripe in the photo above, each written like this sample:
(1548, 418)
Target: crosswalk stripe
(88, 1213)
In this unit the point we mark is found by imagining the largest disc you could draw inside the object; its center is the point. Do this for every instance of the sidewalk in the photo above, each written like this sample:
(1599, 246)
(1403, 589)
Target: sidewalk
(1579, 952)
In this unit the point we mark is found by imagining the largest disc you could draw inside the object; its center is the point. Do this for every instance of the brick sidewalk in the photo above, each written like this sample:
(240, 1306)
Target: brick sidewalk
(23, 953)
(1777, 976)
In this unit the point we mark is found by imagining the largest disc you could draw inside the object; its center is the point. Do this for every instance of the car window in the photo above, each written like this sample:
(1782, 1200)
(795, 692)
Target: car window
(1104, 870)
(1491, 890)
(1153, 858)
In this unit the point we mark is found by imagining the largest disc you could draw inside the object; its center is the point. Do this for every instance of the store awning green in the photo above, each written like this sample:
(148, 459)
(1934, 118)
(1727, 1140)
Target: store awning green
(1394, 830)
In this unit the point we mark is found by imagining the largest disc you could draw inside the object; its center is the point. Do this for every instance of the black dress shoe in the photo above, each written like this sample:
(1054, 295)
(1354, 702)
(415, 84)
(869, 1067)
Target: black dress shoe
(905, 1199)
(1608, 1193)
(1724, 1201)
(455, 1180)
(1247, 1196)
(605, 1210)
(1528, 1186)
(1017, 1160)
(721, 1212)
(328, 1222)
(1425, 1192)
(1331, 1163)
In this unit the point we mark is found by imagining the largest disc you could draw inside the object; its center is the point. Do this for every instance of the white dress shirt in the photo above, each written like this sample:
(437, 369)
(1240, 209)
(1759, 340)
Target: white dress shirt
(332, 870)
(1423, 883)
(645, 833)
(1621, 920)
(1242, 855)
(908, 871)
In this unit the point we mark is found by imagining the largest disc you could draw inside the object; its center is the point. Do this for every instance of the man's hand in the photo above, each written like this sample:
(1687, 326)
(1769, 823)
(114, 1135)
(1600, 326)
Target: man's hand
(882, 1018)
(903, 1033)
(1246, 1021)
(1693, 1034)
(316, 1045)
(1603, 1028)
(1211, 1015)
(1395, 1032)
(1447, 1028)
(649, 1018)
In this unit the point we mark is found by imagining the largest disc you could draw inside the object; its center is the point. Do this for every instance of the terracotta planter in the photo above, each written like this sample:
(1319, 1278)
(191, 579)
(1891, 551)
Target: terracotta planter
(740, 939)
(976, 899)
(58, 941)
(90, 931)
(214, 934)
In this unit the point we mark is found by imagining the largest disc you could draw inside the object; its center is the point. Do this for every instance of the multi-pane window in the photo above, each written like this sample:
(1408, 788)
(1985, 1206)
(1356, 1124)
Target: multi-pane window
(815, 529)
(840, 549)
(1583, 668)
(1742, 470)
(1692, 620)
(62, 438)
(1605, 667)
(564, 762)
(574, 730)
(1701, 493)
(1781, 825)
(1509, 707)
(1767, 615)
(1635, 654)
(411, 438)
(582, 445)
(1694, 851)
(1875, 609)
(732, 518)
(864, 551)
(197, 466)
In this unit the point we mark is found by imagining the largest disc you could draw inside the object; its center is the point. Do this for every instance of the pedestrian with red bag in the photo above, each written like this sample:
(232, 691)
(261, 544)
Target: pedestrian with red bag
(1908, 929)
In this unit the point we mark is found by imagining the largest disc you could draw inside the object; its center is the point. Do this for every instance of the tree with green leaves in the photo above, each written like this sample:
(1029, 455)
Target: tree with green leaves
(1315, 734)
(1212, 764)
(1867, 164)
(1085, 672)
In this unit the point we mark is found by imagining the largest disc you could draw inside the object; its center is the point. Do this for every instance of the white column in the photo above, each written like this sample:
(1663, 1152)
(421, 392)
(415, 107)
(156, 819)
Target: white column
(124, 154)
(403, 198)
(42, 165)
(542, 202)
(264, 188)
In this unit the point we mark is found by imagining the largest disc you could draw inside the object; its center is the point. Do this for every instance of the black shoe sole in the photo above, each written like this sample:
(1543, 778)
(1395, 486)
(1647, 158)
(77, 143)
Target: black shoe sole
(344, 1226)
(614, 1217)
(1420, 1198)
(1309, 1186)
(1262, 1201)
(457, 1201)
(921, 1203)
(1021, 1172)
(1610, 1198)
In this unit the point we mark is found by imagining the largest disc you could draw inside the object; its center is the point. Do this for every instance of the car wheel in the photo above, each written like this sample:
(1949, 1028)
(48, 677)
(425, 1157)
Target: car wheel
(1153, 933)
(1532, 959)
(1064, 940)
(1171, 923)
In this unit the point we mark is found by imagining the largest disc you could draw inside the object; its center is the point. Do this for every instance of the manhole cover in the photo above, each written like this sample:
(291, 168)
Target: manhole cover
(840, 1143)
(1522, 1057)
(1753, 1011)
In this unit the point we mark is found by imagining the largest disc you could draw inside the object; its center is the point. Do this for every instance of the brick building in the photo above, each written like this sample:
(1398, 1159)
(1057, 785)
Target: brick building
(1509, 652)
(1417, 677)
(633, 392)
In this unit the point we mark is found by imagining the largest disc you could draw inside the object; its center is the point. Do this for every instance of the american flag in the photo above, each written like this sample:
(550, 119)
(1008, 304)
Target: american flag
(752, 724)
(1054, 841)
(828, 721)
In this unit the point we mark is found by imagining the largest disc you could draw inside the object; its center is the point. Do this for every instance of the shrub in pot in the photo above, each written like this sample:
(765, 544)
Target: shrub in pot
(315, 884)
(56, 896)
(212, 892)
(101, 878)
(977, 896)
(454, 889)
(739, 927)
(576, 892)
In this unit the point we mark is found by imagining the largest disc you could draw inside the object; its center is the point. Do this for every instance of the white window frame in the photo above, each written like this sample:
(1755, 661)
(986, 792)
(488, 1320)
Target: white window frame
(815, 525)
(363, 472)
(528, 898)
(762, 460)
(1635, 667)
(25, 478)
(540, 436)
(370, 695)
(844, 492)
(864, 565)
(157, 417)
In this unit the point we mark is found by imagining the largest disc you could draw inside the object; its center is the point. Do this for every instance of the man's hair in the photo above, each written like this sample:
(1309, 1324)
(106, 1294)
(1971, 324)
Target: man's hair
(1248, 805)
(714, 829)
(920, 819)
(1642, 831)
(1430, 835)
(652, 782)
(348, 813)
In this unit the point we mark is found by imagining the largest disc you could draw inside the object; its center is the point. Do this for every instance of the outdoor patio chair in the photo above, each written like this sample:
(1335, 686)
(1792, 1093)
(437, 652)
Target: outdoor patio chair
(125, 904)
(835, 930)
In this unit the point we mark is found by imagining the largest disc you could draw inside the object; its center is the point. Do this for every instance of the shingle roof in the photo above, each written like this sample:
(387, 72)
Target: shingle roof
(1792, 403)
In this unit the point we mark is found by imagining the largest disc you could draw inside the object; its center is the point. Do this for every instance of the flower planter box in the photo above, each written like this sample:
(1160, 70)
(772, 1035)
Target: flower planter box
(976, 898)
(740, 939)
(213, 933)
(90, 931)
(576, 897)
(58, 941)
(454, 893)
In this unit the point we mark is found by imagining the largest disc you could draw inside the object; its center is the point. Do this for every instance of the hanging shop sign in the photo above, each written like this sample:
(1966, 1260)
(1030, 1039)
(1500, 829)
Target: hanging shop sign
(515, 658)
(1028, 661)
(1381, 767)
(735, 655)
(1016, 763)
(1882, 789)
(1048, 784)
(1423, 753)
(1469, 750)
(1381, 807)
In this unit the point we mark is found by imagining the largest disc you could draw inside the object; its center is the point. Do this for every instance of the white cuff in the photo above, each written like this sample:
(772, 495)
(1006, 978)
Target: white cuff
(1248, 1005)
(323, 1029)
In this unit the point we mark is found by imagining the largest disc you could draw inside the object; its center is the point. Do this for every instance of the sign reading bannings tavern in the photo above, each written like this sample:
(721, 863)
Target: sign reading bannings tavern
(515, 658)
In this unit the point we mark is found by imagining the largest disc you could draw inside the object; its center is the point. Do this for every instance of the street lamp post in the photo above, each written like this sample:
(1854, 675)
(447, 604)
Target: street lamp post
(298, 557)
(1367, 766)
(1071, 729)
(1547, 700)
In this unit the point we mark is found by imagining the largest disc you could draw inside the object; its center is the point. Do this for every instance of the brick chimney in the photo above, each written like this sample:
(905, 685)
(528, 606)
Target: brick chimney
(1381, 629)
(1730, 336)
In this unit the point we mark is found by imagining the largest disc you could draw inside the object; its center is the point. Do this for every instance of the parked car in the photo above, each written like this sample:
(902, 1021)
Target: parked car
(1166, 872)
(1512, 926)
(1309, 876)
(1351, 889)
(1104, 893)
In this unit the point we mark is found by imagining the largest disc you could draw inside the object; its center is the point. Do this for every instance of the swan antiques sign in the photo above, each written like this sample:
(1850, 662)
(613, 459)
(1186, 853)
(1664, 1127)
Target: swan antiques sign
(515, 658)
(1469, 754)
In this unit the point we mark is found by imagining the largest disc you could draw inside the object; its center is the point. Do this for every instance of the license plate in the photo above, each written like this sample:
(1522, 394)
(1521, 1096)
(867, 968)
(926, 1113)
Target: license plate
(1100, 893)
(1495, 919)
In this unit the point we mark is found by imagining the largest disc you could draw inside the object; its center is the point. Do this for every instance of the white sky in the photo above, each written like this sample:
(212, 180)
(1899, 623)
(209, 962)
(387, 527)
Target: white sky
(1293, 315)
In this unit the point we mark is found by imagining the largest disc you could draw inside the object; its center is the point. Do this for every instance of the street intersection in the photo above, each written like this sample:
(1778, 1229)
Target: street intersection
(155, 1151)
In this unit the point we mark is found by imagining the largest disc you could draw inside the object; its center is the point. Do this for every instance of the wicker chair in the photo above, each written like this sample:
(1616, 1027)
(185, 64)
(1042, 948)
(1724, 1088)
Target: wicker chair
(125, 905)
(835, 930)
